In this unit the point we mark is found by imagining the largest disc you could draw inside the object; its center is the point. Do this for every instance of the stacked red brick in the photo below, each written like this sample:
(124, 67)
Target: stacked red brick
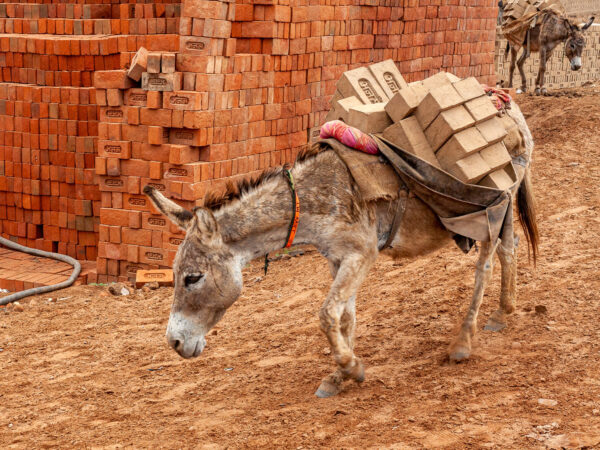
(49, 196)
(250, 81)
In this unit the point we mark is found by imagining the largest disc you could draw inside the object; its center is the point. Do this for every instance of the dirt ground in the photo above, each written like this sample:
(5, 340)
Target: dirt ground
(94, 370)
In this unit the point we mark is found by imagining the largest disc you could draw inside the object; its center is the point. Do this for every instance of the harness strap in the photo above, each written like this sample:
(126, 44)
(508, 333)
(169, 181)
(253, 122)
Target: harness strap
(400, 208)
(294, 224)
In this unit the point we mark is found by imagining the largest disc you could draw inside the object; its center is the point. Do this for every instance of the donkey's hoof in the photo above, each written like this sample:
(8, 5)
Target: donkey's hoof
(357, 373)
(328, 389)
(496, 322)
(459, 353)
(544, 92)
(538, 91)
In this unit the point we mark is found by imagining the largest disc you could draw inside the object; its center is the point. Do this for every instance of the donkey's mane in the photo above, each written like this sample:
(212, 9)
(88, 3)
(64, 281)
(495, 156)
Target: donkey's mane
(233, 191)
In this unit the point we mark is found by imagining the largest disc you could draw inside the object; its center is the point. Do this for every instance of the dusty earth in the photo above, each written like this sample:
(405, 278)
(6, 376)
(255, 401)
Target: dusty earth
(94, 370)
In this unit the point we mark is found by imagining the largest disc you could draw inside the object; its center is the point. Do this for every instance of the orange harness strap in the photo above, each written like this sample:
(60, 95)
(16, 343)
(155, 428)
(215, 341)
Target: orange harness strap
(294, 224)
(296, 200)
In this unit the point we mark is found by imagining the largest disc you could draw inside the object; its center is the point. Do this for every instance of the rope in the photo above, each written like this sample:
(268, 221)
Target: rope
(42, 289)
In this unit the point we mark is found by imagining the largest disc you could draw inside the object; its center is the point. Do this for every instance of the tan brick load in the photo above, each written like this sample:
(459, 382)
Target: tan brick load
(447, 121)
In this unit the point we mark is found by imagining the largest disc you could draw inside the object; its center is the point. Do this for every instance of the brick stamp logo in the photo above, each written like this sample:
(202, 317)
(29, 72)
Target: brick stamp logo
(175, 241)
(391, 82)
(157, 221)
(155, 275)
(108, 148)
(154, 256)
(138, 97)
(135, 201)
(114, 113)
(113, 182)
(158, 186)
(195, 45)
(367, 88)
(157, 81)
(179, 100)
(177, 172)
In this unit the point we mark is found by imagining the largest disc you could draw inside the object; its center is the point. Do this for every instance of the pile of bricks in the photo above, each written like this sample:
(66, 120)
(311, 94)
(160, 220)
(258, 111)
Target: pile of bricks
(250, 80)
(78, 19)
(447, 121)
(49, 118)
(558, 69)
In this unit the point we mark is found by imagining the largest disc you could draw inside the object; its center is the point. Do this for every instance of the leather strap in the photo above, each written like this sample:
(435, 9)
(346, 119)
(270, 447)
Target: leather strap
(400, 208)
(296, 200)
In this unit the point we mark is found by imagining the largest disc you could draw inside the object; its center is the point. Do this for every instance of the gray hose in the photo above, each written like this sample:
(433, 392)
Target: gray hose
(42, 289)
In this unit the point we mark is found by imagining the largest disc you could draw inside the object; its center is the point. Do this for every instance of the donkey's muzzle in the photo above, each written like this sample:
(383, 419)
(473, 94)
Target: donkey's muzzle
(189, 347)
(185, 336)
(576, 64)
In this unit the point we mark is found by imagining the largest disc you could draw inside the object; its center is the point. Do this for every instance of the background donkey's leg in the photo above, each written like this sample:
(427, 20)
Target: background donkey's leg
(520, 64)
(508, 261)
(461, 347)
(539, 82)
(338, 321)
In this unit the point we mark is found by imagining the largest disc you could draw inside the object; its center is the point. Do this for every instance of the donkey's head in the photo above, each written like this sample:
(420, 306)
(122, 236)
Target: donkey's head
(207, 275)
(575, 43)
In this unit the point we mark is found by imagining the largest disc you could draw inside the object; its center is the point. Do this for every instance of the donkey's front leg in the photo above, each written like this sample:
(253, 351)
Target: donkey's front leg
(508, 261)
(338, 319)
(461, 347)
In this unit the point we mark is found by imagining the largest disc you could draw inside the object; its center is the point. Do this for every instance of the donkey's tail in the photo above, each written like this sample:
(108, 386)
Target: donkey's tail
(506, 50)
(527, 213)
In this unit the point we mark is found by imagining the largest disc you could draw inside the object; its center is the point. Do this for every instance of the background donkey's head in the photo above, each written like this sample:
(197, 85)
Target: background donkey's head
(207, 275)
(575, 43)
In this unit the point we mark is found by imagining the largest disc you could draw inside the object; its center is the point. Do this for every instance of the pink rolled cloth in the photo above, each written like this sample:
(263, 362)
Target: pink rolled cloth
(350, 136)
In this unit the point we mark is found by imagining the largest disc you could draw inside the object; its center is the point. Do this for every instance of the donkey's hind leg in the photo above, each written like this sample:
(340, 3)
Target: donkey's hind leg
(508, 261)
(460, 349)
(338, 321)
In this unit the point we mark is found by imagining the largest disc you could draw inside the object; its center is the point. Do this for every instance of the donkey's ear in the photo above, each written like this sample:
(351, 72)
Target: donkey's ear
(207, 225)
(177, 214)
(588, 23)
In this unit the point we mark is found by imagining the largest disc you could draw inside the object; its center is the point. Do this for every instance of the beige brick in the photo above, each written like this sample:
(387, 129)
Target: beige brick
(369, 118)
(492, 130)
(438, 99)
(496, 156)
(342, 108)
(469, 88)
(470, 169)
(408, 135)
(439, 79)
(161, 81)
(336, 97)
(314, 134)
(460, 145)
(481, 108)
(361, 84)
(500, 179)
(446, 124)
(389, 77)
(405, 101)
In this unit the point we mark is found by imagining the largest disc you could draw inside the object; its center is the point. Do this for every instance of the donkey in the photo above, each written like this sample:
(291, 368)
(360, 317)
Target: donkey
(543, 38)
(254, 218)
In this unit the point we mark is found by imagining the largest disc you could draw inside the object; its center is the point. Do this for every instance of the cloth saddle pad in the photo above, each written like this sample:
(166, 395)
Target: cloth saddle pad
(515, 30)
(470, 210)
(375, 177)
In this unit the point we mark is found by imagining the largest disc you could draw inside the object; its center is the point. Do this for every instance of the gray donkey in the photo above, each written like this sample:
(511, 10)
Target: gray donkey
(254, 218)
(544, 37)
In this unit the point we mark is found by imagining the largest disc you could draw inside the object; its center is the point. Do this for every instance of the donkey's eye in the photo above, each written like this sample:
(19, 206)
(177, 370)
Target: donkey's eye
(193, 279)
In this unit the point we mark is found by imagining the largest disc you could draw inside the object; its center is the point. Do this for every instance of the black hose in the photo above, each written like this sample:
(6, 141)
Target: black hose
(42, 289)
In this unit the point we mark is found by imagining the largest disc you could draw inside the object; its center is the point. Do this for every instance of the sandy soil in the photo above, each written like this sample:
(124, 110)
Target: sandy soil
(94, 370)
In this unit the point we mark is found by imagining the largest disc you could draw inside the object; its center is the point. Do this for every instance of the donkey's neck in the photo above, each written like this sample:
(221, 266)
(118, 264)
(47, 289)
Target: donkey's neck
(259, 221)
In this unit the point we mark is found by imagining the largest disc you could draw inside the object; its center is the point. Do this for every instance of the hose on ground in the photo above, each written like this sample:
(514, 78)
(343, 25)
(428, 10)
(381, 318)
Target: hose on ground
(42, 289)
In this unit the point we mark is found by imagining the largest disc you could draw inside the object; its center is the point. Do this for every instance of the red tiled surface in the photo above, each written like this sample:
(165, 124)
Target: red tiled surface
(19, 271)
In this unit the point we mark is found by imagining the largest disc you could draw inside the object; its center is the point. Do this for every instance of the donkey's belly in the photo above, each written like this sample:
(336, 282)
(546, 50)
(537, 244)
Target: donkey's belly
(420, 231)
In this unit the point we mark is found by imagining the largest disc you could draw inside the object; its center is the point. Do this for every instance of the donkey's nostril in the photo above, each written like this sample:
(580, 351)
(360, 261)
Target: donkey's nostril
(176, 343)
